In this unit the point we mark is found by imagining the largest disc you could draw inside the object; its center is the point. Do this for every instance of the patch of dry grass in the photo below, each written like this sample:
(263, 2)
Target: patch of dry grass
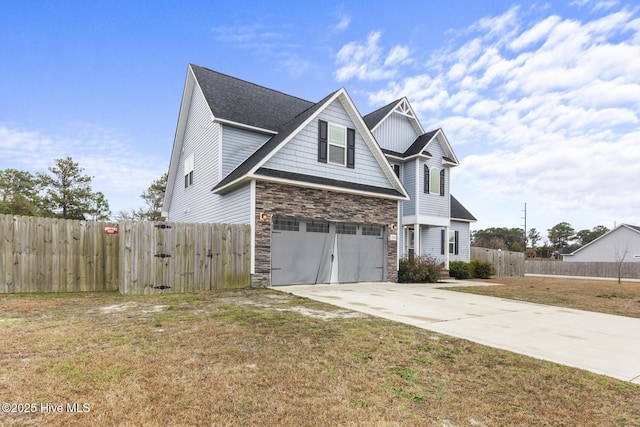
(591, 295)
(258, 357)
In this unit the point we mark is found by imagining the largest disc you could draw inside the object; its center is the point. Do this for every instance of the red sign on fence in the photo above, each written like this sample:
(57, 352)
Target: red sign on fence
(111, 230)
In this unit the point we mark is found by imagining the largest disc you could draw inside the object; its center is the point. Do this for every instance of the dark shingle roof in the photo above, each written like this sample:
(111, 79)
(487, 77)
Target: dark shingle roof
(374, 117)
(419, 144)
(243, 102)
(460, 212)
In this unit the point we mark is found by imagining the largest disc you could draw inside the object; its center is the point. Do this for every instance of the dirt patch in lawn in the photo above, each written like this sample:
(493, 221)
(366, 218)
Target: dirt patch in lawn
(258, 357)
(593, 295)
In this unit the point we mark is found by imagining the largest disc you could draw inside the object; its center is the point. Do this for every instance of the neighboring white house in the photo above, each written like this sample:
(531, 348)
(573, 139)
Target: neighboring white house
(622, 244)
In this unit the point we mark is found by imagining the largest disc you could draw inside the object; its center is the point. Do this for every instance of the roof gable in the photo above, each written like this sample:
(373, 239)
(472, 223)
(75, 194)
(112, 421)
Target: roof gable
(421, 145)
(254, 161)
(400, 106)
(633, 228)
(253, 167)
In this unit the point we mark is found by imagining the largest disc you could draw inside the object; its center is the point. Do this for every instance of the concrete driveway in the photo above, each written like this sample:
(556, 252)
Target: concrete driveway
(600, 343)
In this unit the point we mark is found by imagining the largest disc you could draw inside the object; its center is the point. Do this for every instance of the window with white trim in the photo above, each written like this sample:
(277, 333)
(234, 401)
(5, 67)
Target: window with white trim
(188, 171)
(453, 242)
(434, 181)
(337, 144)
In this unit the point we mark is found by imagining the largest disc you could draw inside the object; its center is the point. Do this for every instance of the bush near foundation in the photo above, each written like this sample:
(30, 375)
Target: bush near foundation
(459, 270)
(481, 269)
(419, 269)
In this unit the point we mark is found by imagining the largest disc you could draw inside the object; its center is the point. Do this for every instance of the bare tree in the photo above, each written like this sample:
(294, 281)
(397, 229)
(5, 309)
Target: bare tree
(620, 256)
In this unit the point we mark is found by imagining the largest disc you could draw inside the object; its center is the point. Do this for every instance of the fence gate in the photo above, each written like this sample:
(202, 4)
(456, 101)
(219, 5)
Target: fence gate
(179, 257)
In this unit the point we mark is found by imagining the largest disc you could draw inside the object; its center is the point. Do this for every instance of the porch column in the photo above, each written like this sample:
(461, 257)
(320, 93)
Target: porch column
(416, 239)
(446, 248)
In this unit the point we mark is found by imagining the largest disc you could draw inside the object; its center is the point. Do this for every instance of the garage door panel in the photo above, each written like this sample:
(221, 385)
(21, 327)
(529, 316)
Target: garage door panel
(372, 258)
(300, 257)
(361, 255)
(306, 255)
(348, 262)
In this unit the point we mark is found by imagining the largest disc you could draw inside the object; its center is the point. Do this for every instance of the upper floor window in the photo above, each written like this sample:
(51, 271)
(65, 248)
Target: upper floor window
(188, 171)
(434, 181)
(336, 144)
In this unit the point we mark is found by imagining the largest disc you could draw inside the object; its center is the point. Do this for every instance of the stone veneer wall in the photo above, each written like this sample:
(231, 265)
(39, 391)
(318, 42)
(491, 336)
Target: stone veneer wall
(288, 200)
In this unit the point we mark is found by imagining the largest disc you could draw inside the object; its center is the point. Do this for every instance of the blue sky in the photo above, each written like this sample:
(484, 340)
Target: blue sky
(540, 100)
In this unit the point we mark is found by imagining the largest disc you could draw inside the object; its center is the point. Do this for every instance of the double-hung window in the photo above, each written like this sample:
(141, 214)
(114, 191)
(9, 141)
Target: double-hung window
(453, 242)
(337, 144)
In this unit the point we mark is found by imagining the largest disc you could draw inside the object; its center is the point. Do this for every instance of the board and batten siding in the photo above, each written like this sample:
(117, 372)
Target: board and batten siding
(237, 146)
(396, 133)
(434, 204)
(202, 139)
(300, 155)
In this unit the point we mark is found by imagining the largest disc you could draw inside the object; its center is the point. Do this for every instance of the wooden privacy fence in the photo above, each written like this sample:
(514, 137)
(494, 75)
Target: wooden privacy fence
(179, 257)
(628, 270)
(56, 255)
(507, 263)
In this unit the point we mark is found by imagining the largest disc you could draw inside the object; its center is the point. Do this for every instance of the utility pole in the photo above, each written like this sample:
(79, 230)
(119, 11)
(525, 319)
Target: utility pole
(525, 226)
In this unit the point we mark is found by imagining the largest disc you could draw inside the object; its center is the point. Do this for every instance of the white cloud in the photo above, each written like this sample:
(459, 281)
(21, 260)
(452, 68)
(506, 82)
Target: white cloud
(537, 33)
(398, 55)
(555, 125)
(365, 61)
(117, 169)
(605, 5)
(343, 22)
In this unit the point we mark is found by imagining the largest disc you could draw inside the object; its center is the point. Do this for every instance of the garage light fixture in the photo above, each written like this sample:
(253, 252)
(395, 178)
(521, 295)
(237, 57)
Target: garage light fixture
(264, 216)
(393, 227)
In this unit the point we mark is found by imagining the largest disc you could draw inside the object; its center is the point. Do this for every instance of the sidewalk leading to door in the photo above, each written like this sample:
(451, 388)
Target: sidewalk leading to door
(600, 343)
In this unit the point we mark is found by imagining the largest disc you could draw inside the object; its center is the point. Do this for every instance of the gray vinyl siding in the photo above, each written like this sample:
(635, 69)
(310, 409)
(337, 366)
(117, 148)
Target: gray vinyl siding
(430, 242)
(409, 182)
(463, 241)
(233, 207)
(434, 204)
(237, 145)
(400, 231)
(202, 139)
(300, 155)
(610, 248)
(396, 133)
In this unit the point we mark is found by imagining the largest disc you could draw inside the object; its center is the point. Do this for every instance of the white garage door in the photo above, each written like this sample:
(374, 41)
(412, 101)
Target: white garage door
(310, 251)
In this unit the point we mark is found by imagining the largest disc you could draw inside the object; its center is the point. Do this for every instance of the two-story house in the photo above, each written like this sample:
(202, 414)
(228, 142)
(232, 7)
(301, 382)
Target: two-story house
(432, 222)
(323, 195)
